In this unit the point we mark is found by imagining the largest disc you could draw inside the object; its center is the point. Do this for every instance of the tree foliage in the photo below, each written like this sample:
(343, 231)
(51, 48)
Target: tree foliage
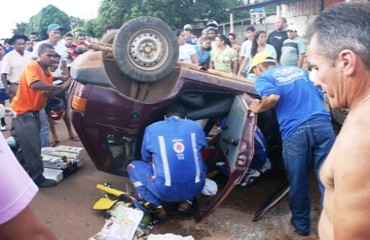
(48, 15)
(176, 13)
(20, 28)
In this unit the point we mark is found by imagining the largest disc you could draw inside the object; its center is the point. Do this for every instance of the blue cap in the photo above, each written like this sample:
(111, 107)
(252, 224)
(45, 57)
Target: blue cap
(54, 26)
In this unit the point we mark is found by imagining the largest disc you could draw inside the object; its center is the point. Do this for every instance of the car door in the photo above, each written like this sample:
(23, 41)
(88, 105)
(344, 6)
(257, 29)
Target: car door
(236, 146)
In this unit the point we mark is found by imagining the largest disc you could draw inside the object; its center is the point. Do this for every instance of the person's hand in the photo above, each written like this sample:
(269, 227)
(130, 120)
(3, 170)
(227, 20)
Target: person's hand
(64, 77)
(7, 92)
(255, 105)
(66, 84)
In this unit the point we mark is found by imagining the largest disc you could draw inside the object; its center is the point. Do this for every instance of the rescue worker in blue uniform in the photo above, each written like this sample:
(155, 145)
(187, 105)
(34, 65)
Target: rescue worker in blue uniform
(172, 169)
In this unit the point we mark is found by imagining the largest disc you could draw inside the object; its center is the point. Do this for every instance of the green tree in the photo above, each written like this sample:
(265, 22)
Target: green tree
(92, 28)
(48, 15)
(176, 13)
(76, 23)
(20, 28)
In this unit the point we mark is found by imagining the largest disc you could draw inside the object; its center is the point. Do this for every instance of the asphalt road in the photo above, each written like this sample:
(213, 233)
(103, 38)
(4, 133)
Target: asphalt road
(66, 208)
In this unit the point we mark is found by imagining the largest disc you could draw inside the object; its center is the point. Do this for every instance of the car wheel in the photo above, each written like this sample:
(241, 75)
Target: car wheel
(145, 49)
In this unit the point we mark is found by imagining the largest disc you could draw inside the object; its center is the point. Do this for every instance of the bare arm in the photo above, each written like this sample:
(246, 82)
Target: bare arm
(54, 89)
(212, 65)
(235, 66)
(242, 66)
(268, 102)
(62, 78)
(65, 68)
(25, 226)
(4, 79)
(194, 59)
(352, 180)
(301, 60)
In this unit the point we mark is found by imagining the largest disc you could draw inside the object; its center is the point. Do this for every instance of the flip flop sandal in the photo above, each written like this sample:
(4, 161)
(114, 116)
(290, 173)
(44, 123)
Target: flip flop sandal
(74, 138)
(54, 143)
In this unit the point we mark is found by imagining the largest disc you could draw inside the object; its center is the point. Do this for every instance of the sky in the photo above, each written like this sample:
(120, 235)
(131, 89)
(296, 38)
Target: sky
(16, 11)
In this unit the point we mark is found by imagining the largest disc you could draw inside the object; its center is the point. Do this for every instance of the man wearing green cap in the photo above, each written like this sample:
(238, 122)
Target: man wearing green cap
(305, 127)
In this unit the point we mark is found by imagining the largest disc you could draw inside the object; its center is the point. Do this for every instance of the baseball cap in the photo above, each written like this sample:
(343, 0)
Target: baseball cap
(292, 28)
(188, 26)
(54, 26)
(212, 23)
(262, 57)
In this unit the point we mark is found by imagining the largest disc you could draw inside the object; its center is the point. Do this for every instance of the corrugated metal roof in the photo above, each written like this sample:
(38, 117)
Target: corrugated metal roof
(262, 4)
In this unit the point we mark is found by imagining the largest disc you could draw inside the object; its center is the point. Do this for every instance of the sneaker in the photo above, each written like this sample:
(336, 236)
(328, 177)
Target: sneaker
(250, 177)
(3, 127)
(47, 183)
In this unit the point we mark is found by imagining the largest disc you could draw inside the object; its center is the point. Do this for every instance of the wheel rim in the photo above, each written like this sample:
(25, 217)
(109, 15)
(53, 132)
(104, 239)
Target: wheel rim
(148, 50)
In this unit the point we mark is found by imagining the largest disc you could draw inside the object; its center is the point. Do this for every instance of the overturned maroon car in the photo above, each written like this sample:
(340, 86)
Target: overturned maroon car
(124, 83)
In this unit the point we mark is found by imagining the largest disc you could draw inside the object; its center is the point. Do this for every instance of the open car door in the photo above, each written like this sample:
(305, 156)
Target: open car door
(237, 148)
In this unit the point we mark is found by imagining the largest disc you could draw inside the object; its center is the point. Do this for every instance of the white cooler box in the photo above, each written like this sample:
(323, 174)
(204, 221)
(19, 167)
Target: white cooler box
(61, 161)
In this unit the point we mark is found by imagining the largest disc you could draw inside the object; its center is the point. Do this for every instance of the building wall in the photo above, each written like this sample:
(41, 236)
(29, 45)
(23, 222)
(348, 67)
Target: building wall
(329, 3)
(299, 14)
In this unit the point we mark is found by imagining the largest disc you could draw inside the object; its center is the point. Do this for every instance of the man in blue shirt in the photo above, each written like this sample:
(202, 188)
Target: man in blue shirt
(305, 126)
(172, 168)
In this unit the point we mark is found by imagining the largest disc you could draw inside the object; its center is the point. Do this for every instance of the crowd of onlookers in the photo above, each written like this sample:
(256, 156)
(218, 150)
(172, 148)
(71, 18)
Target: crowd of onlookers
(221, 52)
(34, 79)
(17, 51)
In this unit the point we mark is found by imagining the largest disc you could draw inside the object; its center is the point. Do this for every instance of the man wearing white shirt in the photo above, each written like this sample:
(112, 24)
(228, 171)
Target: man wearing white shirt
(246, 49)
(13, 64)
(55, 35)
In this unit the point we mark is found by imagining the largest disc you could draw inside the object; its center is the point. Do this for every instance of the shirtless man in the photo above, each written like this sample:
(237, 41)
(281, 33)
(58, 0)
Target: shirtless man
(342, 62)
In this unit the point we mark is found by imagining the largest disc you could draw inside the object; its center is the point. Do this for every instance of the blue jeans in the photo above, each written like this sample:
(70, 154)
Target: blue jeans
(44, 129)
(153, 189)
(308, 146)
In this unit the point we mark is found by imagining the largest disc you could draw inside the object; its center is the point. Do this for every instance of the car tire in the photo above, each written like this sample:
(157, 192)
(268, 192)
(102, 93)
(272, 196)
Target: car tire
(145, 49)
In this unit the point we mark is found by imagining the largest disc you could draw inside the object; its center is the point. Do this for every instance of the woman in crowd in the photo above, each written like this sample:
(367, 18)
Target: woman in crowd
(258, 45)
(187, 52)
(223, 57)
(204, 52)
